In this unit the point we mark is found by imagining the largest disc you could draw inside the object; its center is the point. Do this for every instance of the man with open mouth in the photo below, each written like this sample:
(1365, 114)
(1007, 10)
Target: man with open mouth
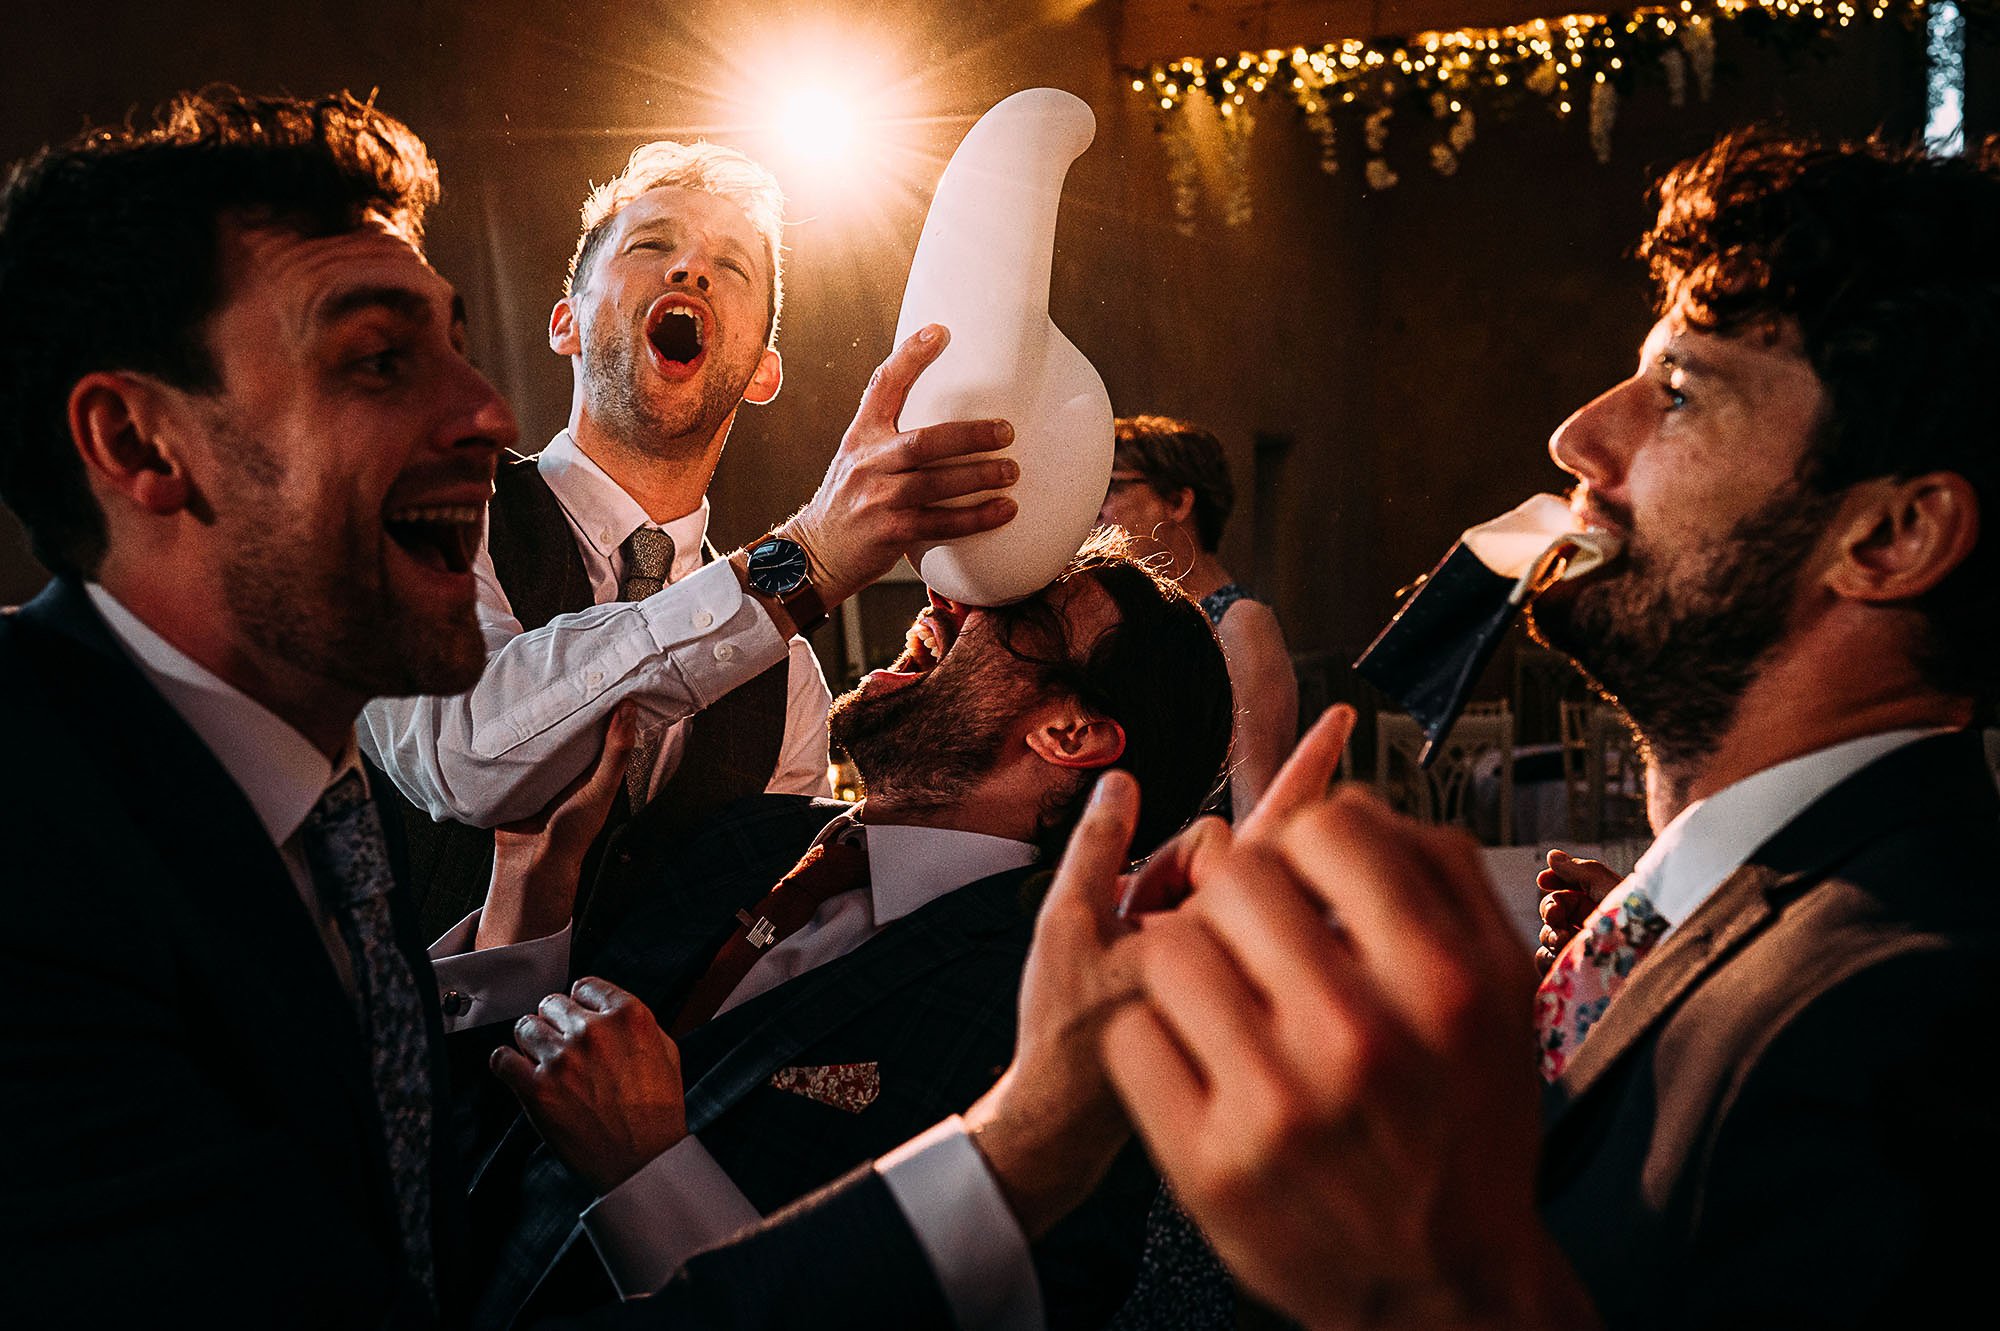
(821, 1023)
(668, 320)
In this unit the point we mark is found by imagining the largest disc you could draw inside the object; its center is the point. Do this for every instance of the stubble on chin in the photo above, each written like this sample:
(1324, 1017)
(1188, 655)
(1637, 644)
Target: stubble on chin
(338, 619)
(615, 382)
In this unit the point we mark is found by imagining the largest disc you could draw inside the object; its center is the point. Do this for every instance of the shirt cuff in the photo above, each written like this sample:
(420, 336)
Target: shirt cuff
(966, 1229)
(500, 983)
(715, 633)
(679, 1204)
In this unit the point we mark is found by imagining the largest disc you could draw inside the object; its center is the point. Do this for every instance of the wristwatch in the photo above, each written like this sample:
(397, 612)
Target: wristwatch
(780, 570)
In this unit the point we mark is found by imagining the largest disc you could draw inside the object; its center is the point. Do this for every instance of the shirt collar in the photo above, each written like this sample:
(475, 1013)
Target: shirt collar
(910, 867)
(279, 770)
(605, 515)
(1714, 837)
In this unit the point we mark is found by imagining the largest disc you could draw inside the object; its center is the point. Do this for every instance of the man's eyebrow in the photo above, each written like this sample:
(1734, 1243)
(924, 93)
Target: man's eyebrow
(401, 301)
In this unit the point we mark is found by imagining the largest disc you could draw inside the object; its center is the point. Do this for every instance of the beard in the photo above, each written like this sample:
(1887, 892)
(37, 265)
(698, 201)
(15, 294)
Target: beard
(1676, 640)
(322, 601)
(924, 745)
(671, 431)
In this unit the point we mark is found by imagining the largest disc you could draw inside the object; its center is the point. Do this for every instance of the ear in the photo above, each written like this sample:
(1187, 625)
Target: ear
(564, 339)
(1899, 539)
(769, 377)
(121, 425)
(1069, 734)
(1183, 505)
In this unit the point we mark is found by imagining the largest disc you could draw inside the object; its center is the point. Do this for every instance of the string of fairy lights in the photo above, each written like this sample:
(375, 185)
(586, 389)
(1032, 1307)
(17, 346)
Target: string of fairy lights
(1574, 64)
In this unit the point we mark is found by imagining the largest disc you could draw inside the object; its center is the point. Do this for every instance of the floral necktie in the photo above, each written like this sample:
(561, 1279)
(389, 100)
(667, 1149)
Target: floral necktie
(1591, 969)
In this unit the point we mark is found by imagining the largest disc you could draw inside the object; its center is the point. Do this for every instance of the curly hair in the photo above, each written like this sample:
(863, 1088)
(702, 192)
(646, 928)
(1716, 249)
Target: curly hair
(1174, 455)
(1888, 262)
(111, 256)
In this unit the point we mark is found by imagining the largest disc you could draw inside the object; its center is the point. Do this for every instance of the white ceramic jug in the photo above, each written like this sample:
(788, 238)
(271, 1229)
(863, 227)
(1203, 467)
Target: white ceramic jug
(982, 270)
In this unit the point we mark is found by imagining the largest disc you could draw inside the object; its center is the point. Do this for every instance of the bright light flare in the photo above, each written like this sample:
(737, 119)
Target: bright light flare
(820, 127)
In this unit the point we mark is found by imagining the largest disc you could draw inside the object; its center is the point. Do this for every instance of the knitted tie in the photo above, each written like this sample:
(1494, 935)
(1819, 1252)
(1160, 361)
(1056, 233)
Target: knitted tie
(825, 872)
(1592, 967)
(342, 837)
(647, 554)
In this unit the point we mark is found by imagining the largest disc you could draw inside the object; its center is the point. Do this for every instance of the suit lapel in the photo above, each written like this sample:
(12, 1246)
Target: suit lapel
(1937, 778)
(271, 982)
(738, 1051)
(1737, 910)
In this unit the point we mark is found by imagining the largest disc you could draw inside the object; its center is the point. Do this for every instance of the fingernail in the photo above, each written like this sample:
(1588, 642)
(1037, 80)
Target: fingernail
(1010, 470)
(1101, 791)
(929, 334)
(1003, 433)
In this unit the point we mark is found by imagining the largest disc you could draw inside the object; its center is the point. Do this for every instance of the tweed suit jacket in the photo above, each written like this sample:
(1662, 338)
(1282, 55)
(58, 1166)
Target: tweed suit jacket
(930, 1002)
(1787, 1117)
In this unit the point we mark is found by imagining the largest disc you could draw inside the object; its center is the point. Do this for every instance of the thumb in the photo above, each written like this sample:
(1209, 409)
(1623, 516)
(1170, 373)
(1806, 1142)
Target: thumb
(1086, 881)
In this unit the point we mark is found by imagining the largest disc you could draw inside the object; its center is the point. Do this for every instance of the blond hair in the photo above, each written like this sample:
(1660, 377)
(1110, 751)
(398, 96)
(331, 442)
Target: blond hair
(707, 168)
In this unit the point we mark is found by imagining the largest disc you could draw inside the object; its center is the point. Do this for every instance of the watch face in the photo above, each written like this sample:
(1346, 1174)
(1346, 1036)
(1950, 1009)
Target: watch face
(778, 566)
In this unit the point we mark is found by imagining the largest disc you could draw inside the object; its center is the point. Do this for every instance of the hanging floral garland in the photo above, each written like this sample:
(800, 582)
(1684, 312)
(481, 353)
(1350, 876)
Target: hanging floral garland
(1579, 62)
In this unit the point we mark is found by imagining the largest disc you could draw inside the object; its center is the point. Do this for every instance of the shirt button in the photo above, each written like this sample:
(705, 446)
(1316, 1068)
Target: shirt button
(702, 619)
(454, 1003)
(725, 651)
(606, 538)
(594, 678)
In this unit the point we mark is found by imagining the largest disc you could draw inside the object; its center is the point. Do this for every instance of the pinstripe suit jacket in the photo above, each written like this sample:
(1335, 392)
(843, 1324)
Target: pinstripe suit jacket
(930, 1000)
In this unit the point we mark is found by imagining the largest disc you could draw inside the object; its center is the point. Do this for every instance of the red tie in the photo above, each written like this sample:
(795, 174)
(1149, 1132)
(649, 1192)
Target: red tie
(825, 872)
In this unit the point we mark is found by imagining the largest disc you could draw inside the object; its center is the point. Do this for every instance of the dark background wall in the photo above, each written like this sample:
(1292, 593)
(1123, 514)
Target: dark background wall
(1402, 355)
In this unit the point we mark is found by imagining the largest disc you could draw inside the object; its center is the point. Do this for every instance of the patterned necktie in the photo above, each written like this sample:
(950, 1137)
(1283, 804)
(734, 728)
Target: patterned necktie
(1592, 967)
(343, 842)
(824, 873)
(648, 554)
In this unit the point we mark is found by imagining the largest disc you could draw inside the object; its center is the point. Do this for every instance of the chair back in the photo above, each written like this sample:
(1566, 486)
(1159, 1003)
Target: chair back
(1470, 782)
(1603, 773)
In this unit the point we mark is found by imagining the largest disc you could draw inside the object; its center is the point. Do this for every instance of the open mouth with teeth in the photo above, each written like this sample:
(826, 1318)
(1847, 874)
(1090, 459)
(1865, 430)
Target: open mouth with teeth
(924, 648)
(678, 334)
(438, 536)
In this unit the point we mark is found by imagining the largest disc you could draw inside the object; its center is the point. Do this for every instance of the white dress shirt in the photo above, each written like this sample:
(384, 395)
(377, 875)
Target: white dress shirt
(683, 1202)
(504, 748)
(282, 774)
(1712, 838)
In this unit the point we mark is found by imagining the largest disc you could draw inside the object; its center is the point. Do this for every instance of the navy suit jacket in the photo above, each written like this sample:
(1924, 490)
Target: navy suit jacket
(191, 1128)
(930, 1001)
(1789, 1116)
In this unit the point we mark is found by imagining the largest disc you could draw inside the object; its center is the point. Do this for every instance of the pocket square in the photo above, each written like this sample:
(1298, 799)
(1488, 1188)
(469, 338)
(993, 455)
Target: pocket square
(849, 1086)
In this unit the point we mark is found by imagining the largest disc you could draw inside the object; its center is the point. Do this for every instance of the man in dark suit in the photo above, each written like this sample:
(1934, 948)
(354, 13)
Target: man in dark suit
(237, 420)
(1768, 1095)
(889, 1001)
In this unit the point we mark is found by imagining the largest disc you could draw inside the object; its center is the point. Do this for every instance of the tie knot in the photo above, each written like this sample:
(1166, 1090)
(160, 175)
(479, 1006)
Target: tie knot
(338, 802)
(648, 553)
(826, 871)
(342, 837)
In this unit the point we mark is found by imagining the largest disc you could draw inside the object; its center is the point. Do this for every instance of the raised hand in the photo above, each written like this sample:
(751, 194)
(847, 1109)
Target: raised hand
(888, 489)
(600, 1079)
(1051, 1126)
(538, 861)
(1352, 1114)
(1571, 889)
